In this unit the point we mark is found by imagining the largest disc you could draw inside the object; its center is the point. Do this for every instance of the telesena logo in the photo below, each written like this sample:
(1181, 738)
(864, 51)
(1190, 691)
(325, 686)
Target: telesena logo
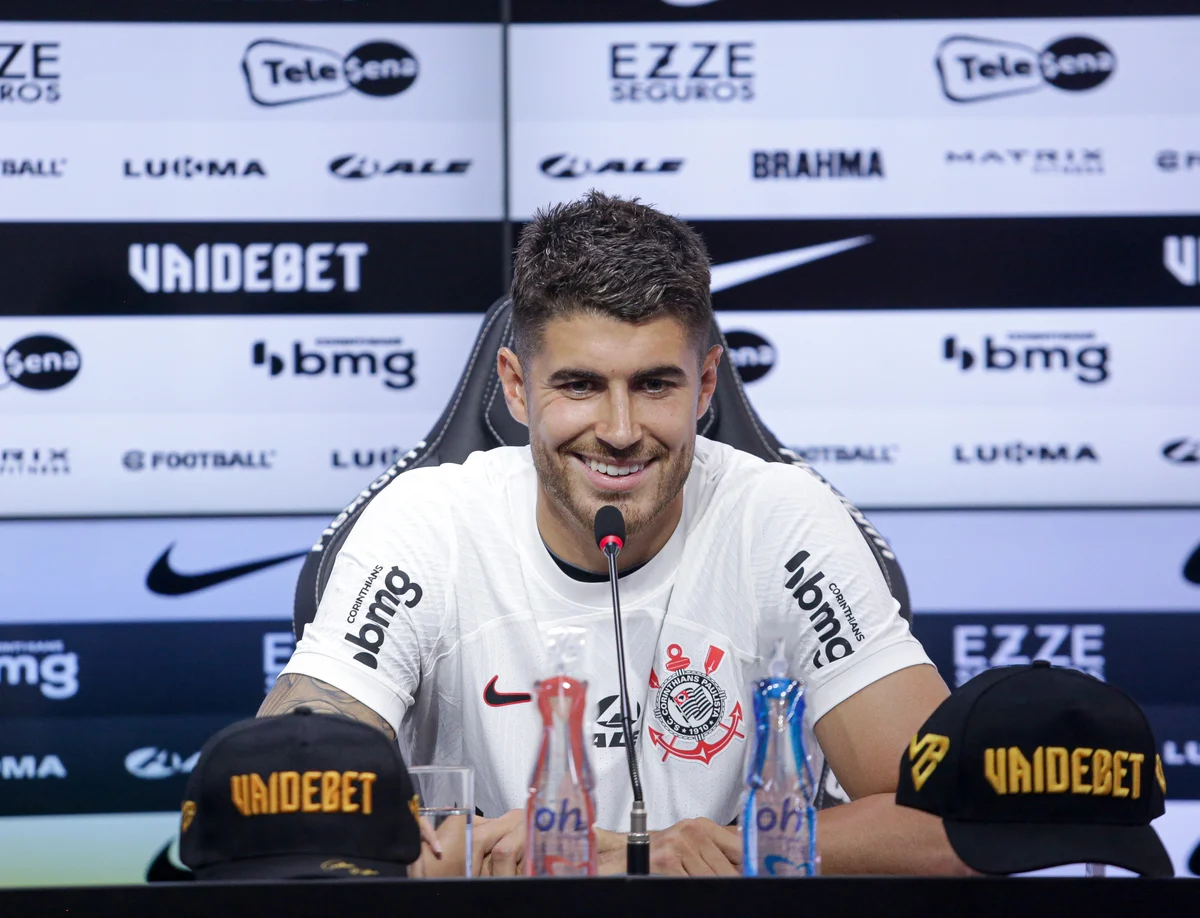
(571, 166)
(342, 357)
(54, 167)
(260, 267)
(672, 71)
(40, 362)
(1019, 453)
(974, 69)
(1033, 160)
(357, 166)
(29, 72)
(816, 164)
(752, 355)
(187, 167)
(1074, 353)
(981, 647)
(38, 461)
(44, 664)
(1181, 256)
(283, 72)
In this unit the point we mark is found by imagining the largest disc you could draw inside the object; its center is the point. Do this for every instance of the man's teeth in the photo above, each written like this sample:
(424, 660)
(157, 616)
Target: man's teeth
(619, 471)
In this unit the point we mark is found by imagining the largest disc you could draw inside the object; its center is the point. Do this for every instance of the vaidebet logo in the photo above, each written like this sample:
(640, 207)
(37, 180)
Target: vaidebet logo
(283, 72)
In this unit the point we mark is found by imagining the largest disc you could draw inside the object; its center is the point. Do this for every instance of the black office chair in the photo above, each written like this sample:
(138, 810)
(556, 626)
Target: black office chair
(477, 418)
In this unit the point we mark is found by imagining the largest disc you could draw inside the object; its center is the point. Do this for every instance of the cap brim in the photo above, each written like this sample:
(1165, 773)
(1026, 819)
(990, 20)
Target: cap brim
(1018, 847)
(302, 867)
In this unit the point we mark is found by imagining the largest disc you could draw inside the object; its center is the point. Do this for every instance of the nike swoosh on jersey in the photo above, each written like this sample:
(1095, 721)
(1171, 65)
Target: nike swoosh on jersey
(1191, 570)
(735, 273)
(166, 581)
(500, 699)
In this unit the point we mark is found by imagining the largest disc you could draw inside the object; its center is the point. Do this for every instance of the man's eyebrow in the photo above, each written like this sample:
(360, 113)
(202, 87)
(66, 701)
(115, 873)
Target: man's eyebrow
(666, 370)
(570, 374)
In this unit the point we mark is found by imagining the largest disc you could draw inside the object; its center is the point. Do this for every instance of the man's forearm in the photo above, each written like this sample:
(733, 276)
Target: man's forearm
(293, 691)
(873, 835)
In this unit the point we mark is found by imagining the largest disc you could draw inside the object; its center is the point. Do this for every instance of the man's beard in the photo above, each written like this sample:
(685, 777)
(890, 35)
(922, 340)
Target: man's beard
(555, 476)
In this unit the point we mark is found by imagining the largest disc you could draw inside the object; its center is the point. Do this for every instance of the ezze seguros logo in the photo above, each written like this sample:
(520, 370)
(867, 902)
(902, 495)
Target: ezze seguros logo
(29, 72)
(40, 362)
(675, 71)
(974, 69)
(283, 72)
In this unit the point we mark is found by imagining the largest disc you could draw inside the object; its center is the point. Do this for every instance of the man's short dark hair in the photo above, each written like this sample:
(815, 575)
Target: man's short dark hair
(612, 257)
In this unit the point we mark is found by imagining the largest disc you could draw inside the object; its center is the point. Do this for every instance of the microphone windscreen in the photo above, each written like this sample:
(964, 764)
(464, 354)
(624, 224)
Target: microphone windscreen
(609, 522)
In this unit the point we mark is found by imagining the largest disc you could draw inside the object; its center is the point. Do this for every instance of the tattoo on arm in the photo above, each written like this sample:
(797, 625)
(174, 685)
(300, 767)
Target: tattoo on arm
(293, 691)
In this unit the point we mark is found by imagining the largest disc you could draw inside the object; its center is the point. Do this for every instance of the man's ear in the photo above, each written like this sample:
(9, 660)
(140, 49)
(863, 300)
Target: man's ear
(512, 380)
(708, 379)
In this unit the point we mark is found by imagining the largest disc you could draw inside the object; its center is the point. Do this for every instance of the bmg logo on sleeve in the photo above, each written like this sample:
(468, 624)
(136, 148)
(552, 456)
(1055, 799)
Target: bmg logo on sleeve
(283, 72)
(974, 69)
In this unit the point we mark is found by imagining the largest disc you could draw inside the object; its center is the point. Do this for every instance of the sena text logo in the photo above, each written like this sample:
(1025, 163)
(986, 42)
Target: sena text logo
(283, 72)
(816, 164)
(38, 461)
(373, 631)
(570, 166)
(1018, 453)
(827, 620)
(672, 71)
(31, 767)
(1180, 257)
(188, 167)
(33, 168)
(40, 362)
(358, 166)
(1035, 161)
(1183, 451)
(752, 355)
(975, 69)
(136, 460)
(981, 647)
(260, 267)
(46, 664)
(1063, 352)
(874, 454)
(29, 72)
(371, 357)
(365, 458)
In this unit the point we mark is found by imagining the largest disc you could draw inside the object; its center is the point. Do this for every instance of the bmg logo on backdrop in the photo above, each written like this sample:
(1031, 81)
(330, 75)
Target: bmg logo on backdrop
(1034, 352)
(334, 357)
(974, 69)
(283, 72)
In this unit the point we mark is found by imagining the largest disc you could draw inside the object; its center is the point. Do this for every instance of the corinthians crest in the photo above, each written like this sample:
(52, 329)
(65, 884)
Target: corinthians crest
(690, 705)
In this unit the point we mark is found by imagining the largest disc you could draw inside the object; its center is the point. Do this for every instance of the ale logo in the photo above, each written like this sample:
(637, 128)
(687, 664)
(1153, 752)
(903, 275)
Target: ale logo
(40, 362)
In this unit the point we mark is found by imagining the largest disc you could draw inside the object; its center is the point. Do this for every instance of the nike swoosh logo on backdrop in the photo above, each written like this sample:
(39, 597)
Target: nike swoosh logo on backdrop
(1191, 570)
(735, 273)
(166, 581)
(500, 699)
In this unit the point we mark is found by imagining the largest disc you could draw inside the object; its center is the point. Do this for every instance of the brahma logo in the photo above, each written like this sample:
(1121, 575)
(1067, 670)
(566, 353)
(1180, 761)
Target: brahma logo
(283, 72)
(974, 69)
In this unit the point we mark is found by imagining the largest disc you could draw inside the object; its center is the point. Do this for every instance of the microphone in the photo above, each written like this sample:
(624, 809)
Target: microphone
(609, 529)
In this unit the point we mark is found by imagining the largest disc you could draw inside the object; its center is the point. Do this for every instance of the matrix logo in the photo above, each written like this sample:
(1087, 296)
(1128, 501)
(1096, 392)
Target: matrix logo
(283, 72)
(1034, 352)
(37, 461)
(40, 362)
(29, 72)
(370, 357)
(1036, 161)
(981, 647)
(975, 69)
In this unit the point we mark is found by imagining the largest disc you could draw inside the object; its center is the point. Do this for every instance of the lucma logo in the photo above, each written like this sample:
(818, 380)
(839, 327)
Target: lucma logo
(31, 767)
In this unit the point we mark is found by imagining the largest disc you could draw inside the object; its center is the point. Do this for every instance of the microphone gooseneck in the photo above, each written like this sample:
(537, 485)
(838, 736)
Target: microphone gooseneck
(609, 530)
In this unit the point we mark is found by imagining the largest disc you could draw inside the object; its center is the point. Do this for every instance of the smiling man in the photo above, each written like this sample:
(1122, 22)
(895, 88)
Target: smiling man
(431, 625)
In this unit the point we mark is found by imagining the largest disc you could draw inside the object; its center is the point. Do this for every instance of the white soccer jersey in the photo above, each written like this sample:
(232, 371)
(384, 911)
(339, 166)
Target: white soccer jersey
(433, 615)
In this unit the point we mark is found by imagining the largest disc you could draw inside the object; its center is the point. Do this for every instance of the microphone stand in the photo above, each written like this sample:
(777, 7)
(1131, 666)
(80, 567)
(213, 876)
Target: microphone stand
(637, 846)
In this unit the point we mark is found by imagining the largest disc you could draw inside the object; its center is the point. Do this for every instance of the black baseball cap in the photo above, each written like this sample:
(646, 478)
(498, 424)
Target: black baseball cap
(1038, 766)
(299, 796)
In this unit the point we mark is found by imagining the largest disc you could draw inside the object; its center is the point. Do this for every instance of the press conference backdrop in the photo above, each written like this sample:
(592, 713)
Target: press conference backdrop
(244, 255)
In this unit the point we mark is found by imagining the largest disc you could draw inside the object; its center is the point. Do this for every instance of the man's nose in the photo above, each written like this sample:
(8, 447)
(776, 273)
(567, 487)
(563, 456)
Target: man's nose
(617, 425)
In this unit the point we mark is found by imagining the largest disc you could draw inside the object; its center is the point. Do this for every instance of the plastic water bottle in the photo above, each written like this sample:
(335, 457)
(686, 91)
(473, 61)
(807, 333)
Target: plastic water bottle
(779, 823)
(560, 814)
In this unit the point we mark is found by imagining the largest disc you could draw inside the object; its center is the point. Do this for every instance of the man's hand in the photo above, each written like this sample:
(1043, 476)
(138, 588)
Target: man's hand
(499, 845)
(693, 847)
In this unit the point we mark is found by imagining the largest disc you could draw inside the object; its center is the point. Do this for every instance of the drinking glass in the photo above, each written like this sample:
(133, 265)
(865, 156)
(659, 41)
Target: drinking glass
(445, 793)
